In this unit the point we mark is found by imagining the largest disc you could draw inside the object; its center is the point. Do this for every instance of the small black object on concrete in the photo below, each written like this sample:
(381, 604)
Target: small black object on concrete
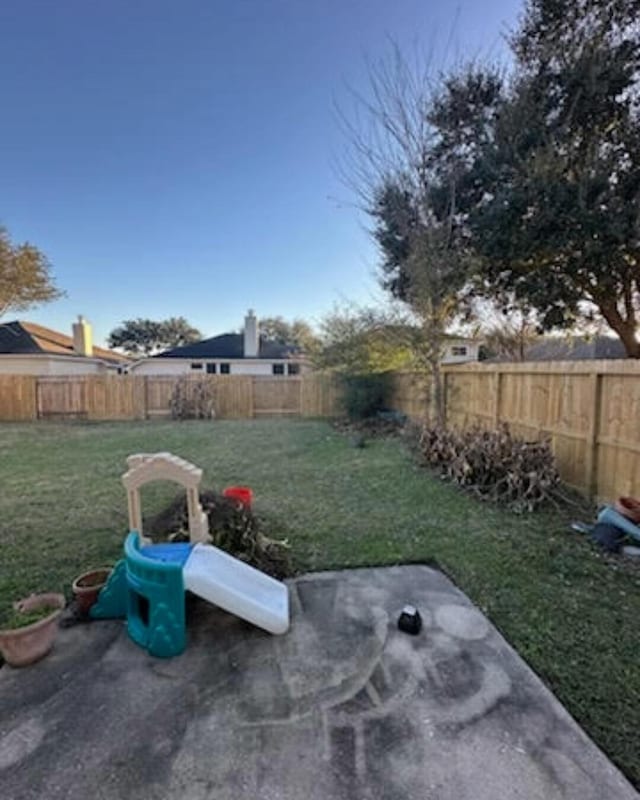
(410, 620)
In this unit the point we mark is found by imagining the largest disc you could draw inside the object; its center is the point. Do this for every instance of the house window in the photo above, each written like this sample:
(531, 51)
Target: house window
(211, 369)
(196, 365)
(458, 351)
(278, 369)
(293, 369)
(225, 369)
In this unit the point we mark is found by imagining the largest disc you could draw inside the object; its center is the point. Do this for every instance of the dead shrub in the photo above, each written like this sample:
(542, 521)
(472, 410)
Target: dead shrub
(192, 399)
(493, 464)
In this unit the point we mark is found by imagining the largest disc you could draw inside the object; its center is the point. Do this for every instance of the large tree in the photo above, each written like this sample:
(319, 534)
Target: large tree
(553, 199)
(409, 190)
(145, 336)
(25, 276)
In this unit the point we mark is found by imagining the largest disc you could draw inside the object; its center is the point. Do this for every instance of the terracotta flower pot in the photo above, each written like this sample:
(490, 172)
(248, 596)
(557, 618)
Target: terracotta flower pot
(87, 586)
(22, 646)
(629, 507)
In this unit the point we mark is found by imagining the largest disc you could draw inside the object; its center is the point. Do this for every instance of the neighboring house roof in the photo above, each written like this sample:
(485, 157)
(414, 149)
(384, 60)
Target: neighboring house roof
(228, 345)
(573, 348)
(27, 338)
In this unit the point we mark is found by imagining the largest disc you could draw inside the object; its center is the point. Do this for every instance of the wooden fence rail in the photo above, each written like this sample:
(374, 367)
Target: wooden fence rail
(590, 410)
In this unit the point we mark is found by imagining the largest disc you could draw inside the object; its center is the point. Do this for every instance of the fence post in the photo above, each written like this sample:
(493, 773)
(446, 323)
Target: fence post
(33, 395)
(497, 397)
(591, 456)
(39, 398)
(145, 409)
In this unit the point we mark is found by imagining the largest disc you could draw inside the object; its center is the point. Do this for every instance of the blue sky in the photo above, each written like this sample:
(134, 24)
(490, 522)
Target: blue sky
(177, 158)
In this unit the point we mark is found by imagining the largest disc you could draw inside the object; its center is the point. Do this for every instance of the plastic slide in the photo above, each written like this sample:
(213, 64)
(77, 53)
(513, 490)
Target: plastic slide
(237, 588)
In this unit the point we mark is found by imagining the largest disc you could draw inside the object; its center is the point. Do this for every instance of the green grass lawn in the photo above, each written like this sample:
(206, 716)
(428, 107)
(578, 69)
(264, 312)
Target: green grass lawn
(570, 612)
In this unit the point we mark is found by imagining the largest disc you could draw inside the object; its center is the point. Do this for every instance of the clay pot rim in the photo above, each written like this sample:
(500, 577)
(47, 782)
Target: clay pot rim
(48, 598)
(79, 589)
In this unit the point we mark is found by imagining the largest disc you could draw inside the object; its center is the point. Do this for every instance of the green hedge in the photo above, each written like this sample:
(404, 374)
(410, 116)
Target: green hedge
(365, 395)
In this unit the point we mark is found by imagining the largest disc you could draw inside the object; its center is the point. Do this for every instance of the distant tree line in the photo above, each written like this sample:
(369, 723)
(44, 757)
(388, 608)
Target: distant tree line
(144, 337)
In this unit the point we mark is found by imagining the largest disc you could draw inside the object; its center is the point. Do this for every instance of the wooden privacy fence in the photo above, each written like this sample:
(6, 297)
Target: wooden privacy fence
(590, 410)
(28, 397)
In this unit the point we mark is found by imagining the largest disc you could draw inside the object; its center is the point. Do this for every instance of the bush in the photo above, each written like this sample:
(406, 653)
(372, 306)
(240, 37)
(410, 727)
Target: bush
(365, 395)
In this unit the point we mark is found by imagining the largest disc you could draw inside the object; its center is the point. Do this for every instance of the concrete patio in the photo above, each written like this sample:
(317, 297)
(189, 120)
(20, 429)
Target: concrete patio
(343, 706)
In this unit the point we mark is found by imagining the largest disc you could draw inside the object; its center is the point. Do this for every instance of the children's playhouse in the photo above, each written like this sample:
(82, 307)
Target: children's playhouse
(147, 586)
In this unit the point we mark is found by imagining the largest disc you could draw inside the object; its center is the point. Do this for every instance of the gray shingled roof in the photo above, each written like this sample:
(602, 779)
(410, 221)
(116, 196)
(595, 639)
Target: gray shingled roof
(575, 348)
(228, 345)
(14, 339)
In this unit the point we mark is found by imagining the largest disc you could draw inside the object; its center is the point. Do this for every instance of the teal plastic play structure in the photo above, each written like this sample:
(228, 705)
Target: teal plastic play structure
(147, 589)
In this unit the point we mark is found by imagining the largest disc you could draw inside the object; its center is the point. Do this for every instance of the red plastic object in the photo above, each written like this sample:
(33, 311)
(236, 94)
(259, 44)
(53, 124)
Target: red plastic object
(242, 494)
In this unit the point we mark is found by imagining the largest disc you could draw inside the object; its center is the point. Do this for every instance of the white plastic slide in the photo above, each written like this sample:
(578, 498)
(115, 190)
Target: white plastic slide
(237, 588)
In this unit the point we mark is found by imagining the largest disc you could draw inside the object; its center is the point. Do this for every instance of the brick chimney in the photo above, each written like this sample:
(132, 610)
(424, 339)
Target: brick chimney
(82, 337)
(251, 342)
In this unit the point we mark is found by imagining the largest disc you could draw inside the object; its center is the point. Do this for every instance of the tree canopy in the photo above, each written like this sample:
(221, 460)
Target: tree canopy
(145, 336)
(523, 187)
(551, 196)
(362, 340)
(25, 276)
